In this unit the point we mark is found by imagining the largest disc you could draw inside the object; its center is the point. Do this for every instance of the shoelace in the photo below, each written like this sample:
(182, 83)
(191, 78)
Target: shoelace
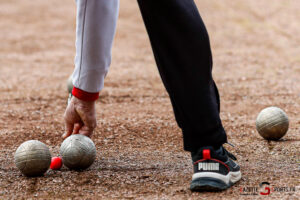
(230, 155)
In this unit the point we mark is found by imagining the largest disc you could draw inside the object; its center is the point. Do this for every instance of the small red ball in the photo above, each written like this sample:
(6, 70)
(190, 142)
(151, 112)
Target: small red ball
(56, 163)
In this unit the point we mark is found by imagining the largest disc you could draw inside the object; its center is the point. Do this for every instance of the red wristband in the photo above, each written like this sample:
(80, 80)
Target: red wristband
(85, 96)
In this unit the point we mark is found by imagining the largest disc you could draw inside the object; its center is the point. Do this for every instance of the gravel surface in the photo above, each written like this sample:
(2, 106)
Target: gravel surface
(256, 47)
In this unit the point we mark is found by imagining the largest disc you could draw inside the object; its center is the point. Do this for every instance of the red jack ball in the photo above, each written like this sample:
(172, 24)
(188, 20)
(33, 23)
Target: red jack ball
(56, 163)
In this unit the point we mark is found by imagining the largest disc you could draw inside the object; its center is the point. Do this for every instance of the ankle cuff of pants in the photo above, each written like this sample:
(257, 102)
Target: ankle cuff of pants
(192, 141)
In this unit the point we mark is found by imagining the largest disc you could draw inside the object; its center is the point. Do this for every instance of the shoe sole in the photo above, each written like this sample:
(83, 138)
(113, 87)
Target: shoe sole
(213, 181)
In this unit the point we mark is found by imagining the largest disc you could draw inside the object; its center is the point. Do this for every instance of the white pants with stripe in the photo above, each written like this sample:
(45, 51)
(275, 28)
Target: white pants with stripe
(95, 31)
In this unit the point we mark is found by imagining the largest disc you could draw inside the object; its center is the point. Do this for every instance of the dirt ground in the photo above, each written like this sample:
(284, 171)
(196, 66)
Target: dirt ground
(256, 48)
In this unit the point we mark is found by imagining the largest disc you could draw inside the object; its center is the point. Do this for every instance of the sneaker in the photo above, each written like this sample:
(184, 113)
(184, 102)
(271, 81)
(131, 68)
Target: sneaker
(214, 169)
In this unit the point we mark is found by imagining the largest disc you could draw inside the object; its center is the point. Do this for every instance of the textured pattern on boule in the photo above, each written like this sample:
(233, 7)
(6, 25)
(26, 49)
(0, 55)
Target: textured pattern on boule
(78, 152)
(272, 123)
(33, 158)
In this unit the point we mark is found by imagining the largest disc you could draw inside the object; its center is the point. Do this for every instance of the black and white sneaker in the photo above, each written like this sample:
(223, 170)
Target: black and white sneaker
(214, 169)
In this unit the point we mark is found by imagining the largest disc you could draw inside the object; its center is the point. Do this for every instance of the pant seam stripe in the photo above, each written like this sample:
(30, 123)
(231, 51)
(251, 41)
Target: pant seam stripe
(81, 51)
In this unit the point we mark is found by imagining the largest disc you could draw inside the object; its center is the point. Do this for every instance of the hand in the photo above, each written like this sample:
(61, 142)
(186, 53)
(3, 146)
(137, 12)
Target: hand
(80, 117)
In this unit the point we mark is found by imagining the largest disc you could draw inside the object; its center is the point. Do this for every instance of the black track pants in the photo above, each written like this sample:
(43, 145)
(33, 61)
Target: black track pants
(182, 52)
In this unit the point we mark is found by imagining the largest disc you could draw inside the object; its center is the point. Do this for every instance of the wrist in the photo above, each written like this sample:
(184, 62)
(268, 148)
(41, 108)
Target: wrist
(78, 103)
(84, 96)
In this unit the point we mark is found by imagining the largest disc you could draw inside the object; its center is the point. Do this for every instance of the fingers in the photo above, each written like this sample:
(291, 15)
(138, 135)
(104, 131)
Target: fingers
(80, 117)
(77, 127)
(69, 130)
(87, 113)
(71, 120)
(87, 131)
(90, 124)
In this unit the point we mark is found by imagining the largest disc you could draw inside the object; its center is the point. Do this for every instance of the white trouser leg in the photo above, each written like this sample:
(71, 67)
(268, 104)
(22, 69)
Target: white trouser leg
(95, 31)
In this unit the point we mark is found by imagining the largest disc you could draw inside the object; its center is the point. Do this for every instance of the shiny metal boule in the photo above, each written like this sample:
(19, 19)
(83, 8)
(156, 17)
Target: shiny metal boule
(70, 84)
(272, 123)
(33, 158)
(78, 152)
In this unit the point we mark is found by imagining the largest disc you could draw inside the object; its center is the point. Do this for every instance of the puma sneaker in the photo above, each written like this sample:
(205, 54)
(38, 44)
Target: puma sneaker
(214, 169)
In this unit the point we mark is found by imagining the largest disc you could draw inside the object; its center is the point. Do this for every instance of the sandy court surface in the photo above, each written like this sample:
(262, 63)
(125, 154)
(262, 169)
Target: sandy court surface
(256, 48)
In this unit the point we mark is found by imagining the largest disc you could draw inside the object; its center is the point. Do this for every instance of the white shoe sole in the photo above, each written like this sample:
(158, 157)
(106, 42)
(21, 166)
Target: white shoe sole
(214, 181)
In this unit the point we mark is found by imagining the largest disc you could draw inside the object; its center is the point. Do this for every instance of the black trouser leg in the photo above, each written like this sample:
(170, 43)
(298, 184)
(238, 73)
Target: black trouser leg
(182, 52)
